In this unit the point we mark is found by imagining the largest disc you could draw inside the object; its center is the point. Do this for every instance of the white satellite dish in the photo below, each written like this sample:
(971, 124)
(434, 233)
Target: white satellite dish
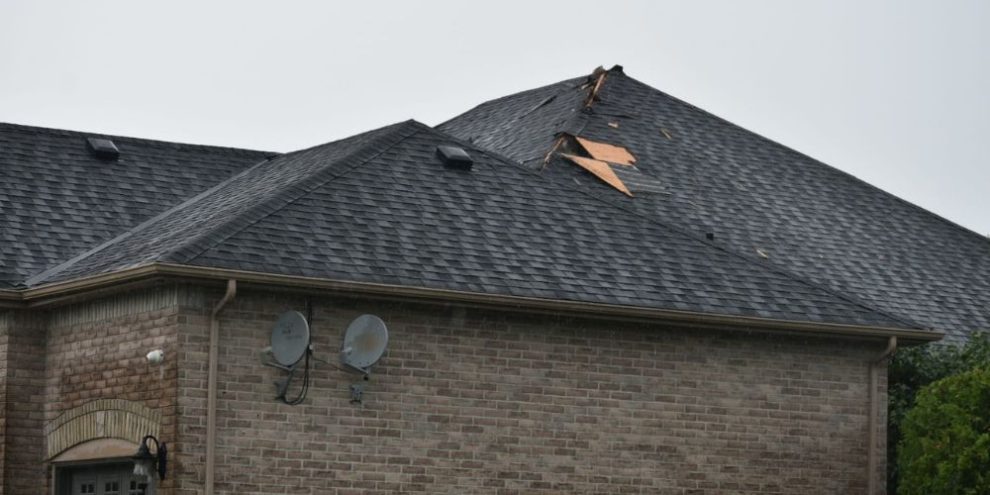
(364, 342)
(290, 338)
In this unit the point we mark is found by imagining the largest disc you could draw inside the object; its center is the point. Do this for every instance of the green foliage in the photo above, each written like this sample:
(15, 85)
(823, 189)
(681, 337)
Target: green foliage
(946, 444)
(914, 368)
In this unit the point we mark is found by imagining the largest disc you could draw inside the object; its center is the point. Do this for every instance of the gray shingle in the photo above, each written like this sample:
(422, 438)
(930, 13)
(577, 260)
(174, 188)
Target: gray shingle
(380, 207)
(57, 199)
(755, 195)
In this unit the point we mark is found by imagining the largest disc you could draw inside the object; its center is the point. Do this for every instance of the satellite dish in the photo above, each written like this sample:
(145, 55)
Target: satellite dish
(364, 342)
(290, 338)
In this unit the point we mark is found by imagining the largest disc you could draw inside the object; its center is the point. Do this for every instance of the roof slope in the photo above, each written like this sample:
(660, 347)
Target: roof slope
(380, 207)
(57, 199)
(757, 197)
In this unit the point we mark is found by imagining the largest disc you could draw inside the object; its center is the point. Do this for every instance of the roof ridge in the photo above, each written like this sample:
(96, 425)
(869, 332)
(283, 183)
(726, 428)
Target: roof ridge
(984, 238)
(32, 280)
(350, 161)
(506, 97)
(84, 134)
(618, 71)
(47, 274)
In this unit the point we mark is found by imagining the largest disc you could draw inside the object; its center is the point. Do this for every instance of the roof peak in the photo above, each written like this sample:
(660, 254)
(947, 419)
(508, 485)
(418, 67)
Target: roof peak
(242, 199)
(763, 199)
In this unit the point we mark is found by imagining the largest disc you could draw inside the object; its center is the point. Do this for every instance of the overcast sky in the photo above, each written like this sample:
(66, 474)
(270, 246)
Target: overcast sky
(895, 93)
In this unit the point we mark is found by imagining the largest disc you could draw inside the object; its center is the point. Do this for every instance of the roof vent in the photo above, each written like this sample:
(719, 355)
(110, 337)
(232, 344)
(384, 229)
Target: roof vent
(103, 149)
(454, 157)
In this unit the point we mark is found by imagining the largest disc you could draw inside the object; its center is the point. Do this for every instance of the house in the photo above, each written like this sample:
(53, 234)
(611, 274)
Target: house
(575, 304)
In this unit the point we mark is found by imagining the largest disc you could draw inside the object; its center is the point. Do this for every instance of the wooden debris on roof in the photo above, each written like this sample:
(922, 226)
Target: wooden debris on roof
(556, 144)
(601, 169)
(599, 77)
(606, 152)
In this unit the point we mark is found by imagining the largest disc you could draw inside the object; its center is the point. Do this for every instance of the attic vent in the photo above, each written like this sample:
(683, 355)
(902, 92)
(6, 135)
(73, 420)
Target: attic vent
(103, 149)
(454, 157)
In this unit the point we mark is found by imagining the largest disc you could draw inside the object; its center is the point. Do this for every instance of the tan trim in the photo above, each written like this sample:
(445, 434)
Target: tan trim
(101, 418)
(101, 448)
(480, 299)
(90, 282)
(11, 298)
(123, 285)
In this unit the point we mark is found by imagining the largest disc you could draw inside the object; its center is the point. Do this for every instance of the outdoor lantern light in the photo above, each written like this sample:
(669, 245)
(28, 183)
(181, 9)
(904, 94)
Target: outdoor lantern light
(146, 463)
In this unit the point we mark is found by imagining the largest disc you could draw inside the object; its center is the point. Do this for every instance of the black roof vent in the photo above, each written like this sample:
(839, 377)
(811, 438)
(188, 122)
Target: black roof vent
(454, 157)
(103, 149)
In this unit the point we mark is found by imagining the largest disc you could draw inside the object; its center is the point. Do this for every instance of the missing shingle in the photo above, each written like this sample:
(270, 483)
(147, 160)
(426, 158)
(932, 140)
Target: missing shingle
(599, 169)
(613, 125)
(606, 152)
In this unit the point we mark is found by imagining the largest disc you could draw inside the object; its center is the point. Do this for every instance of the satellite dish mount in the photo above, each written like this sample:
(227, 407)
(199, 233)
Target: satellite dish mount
(364, 343)
(290, 348)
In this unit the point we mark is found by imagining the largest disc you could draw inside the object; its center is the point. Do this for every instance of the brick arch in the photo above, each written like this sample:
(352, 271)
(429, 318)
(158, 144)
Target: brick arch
(99, 419)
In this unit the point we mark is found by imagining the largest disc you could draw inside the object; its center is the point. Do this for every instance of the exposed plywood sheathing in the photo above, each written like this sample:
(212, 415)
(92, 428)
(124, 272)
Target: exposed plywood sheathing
(607, 152)
(601, 169)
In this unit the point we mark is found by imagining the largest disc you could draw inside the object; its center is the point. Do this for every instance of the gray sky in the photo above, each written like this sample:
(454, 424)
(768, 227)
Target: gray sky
(896, 93)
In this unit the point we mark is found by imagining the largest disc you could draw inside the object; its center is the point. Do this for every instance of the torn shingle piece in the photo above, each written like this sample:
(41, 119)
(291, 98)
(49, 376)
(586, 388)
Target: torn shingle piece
(606, 152)
(601, 169)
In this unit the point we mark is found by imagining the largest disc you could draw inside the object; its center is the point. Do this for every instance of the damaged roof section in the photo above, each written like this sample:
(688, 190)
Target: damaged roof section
(595, 81)
(600, 169)
(806, 217)
(606, 152)
(377, 208)
(613, 164)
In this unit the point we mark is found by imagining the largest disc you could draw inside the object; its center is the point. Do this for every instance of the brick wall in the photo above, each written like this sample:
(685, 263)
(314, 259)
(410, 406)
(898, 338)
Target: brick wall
(471, 401)
(23, 398)
(97, 350)
(5, 320)
(96, 354)
(464, 401)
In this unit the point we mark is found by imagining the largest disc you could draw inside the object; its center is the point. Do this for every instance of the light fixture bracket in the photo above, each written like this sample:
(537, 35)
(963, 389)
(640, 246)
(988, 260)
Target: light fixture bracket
(145, 461)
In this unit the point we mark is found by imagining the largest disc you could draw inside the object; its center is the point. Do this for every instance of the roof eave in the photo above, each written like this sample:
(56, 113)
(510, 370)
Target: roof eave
(11, 298)
(84, 287)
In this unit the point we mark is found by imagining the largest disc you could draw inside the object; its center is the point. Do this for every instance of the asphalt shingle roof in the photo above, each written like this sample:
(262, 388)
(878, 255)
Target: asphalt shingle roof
(704, 175)
(380, 207)
(57, 199)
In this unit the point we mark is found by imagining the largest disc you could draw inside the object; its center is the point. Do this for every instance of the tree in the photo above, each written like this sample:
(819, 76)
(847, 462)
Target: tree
(914, 368)
(945, 447)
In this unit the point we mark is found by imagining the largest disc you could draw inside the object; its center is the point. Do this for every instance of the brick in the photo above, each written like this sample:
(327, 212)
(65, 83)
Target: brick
(465, 400)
